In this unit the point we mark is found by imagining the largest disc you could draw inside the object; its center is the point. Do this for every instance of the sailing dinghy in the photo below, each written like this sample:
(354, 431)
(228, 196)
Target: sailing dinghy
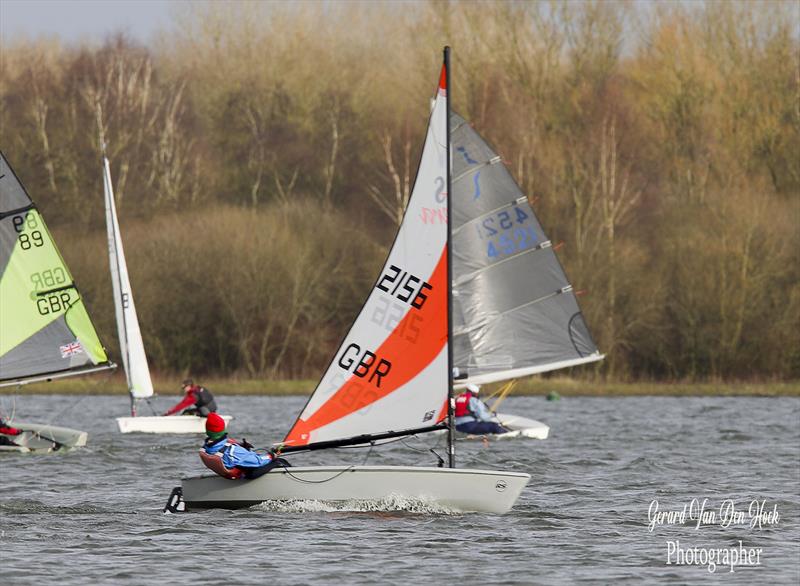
(45, 331)
(392, 376)
(131, 346)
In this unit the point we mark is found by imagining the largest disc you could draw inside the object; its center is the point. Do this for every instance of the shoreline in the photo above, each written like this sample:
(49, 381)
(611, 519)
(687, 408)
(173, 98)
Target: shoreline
(566, 387)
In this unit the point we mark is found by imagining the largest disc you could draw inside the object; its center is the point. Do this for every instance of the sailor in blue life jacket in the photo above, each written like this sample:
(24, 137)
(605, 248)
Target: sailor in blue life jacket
(232, 459)
(472, 414)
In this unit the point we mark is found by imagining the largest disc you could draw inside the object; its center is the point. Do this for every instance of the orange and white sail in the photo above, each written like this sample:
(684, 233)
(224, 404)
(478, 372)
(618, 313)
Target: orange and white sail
(391, 371)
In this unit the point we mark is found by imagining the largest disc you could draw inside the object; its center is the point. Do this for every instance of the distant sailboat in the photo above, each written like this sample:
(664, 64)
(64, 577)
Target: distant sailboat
(390, 377)
(514, 311)
(131, 346)
(45, 331)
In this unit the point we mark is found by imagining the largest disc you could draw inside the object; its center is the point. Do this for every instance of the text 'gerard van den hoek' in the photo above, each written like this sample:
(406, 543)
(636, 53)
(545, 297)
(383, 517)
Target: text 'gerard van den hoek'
(756, 515)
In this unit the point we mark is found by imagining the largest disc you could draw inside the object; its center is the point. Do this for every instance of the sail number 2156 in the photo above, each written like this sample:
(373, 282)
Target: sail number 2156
(405, 286)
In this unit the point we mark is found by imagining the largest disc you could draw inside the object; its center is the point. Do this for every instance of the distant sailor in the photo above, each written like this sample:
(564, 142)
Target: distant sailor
(196, 401)
(472, 414)
(5, 431)
(232, 459)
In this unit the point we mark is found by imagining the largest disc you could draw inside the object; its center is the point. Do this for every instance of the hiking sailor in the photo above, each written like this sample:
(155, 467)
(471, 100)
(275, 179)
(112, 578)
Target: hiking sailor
(196, 401)
(232, 459)
(472, 414)
(6, 431)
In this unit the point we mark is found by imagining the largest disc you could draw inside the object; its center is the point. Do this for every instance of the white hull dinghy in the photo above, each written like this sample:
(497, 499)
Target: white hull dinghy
(131, 346)
(519, 428)
(45, 330)
(392, 375)
(522, 427)
(164, 424)
(40, 438)
(453, 489)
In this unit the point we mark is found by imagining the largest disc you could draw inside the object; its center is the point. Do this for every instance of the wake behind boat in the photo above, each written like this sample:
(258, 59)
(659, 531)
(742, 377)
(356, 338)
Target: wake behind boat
(131, 346)
(392, 376)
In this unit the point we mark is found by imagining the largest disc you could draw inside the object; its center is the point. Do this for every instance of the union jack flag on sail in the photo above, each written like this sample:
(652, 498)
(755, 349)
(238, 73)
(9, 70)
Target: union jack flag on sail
(71, 349)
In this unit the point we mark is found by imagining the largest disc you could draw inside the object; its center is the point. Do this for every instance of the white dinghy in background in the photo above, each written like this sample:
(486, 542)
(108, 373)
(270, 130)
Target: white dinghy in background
(518, 428)
(522, 427)
(392, 376)
(38, 438)
(45, 330)
(131, 346)
(163, 424)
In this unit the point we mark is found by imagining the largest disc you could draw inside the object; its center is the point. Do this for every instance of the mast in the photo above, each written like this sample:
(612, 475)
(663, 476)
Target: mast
(451, 428)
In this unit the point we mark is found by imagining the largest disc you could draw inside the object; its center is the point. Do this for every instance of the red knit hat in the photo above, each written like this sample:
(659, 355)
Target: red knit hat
(214, 423)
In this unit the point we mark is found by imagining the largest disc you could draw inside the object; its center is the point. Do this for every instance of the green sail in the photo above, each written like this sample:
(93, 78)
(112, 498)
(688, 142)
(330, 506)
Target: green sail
(45, 330)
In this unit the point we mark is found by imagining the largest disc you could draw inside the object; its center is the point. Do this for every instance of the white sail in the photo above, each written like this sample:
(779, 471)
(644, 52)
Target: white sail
(391, 371)
(130, 337)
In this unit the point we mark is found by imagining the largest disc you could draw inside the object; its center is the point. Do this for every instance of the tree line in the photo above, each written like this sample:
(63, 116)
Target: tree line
(262, 155)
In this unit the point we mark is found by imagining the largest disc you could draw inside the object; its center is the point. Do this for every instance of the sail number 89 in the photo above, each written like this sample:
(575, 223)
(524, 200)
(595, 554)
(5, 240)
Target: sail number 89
(28, 240)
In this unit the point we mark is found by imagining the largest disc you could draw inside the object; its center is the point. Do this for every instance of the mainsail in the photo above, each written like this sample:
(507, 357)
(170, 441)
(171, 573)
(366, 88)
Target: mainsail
(45, 331)
(514, 313)
(391, 371)
(130, 336)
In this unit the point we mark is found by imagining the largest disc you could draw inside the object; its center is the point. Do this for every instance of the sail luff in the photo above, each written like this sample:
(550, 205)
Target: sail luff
(451, 424)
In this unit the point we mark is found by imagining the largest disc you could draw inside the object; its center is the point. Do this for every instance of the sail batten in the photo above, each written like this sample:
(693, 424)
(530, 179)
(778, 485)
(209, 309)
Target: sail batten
(16, 211)
(45, 331)
(468, 276)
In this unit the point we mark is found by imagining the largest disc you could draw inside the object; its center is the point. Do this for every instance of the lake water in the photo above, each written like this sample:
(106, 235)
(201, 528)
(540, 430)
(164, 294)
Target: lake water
(93, 516)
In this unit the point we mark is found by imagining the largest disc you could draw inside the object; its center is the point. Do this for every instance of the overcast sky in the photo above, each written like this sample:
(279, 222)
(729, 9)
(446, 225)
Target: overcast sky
(76, 20)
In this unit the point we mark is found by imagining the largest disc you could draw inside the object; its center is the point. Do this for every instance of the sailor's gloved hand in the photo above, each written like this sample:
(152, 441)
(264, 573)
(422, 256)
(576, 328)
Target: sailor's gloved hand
(246, 444)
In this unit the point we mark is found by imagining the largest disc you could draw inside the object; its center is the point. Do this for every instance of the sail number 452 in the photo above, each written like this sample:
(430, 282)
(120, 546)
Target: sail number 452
(405, 286)
(28, 240)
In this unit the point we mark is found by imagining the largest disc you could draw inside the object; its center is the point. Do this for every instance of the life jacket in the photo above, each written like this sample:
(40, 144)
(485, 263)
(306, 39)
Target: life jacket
(233, 454)
(214, 461)
(462, 405)
(204, 398)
